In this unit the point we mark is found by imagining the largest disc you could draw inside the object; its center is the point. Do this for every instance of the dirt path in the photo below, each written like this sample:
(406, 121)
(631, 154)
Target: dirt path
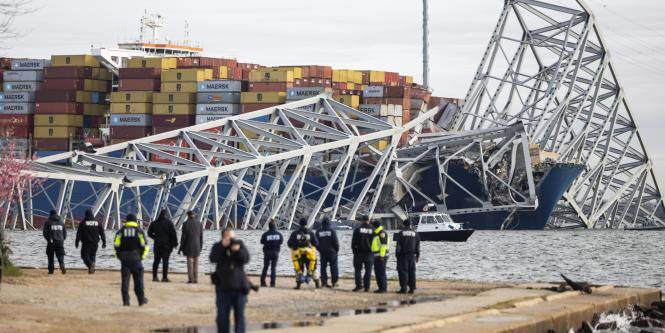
(78, 302)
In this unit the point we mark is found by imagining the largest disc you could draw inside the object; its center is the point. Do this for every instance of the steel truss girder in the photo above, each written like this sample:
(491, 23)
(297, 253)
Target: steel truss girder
(548, 66)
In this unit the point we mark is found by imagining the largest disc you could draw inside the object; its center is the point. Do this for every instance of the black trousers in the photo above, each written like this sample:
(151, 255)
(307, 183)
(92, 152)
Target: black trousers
(161, 254)
(329, 259)
(360, 261)
(269, 261)
(406, 269)
(227, 301)
(380, 272)
(56, 249)
(135, 269)
(89, 253)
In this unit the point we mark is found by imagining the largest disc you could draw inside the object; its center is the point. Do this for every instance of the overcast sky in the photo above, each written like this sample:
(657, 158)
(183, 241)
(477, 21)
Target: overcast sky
(361, 34)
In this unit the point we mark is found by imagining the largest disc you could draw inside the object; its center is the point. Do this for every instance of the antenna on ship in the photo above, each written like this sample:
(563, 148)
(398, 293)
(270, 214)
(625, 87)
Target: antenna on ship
(425, 45)
(154, 21)
(186, 41)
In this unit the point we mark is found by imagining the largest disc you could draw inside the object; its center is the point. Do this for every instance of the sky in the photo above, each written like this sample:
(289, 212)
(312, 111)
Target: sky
(361, 34)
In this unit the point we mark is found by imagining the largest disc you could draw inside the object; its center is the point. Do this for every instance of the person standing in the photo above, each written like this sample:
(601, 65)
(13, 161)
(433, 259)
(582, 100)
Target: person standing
(231, 284)
(272, 242)
(55, 234)
(380, 247)
(131, 247)
(361, 245)
(89, 233)
(407, 250)
(328, 248)
(166, 239)
(303, 244)
(191, 243)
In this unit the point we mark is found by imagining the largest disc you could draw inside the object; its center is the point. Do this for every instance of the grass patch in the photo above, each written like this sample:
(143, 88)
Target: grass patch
(9, 270)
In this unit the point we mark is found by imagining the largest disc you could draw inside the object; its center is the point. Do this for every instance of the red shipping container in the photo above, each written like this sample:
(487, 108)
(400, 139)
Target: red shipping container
(67, 73)
(140, 73)
(160, 130)
(116, 141)
(365, 77)
(249, 66)
(396, 92)
(44, 96)
(249, 107)
(164, 120)
(269, 86)
(51, 144)
(19, 120)
(62, 84)
(59, 108)
(347, 92)
(5, 63)
(130, 132)
(19, 131)
(184, 61)
(139, 85)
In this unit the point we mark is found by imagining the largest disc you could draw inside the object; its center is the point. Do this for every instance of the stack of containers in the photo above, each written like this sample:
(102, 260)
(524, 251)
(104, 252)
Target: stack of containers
(267, 88)
(245, 68)
(393, 104)
(420, 97)
(218, 99)
(74, 88)
(344, 79)
(175, 106)
(222, 69)
(17, 100)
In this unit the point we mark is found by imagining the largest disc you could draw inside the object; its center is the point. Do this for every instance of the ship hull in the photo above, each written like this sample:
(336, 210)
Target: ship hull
(446, 236)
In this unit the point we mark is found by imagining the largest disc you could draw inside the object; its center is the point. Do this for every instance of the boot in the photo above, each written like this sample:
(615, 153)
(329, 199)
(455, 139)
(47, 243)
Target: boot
(297, 287)
(263, 283)
(317, 283)
(92, 268)
(143, 302)
(62, 268)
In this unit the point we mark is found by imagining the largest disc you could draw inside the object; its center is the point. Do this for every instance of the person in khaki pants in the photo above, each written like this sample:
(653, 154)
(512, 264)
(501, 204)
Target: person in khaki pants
(191, 242)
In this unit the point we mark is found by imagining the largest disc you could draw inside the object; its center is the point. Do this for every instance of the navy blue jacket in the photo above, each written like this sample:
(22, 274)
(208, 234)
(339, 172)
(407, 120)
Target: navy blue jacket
(328, 241)
(272, 240)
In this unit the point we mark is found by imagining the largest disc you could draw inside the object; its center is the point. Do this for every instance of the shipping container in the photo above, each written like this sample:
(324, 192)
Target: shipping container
(21, 86)
(68, 120)
(51, 144)
(218, 109)
(222, 86)
(77, 84)
(174, 98)
(59, 108)
(131, 108)
(74, 61)
(373, 91)
(17, 97)
(294, 94)
(271, 75)
(219, 97)
(19, 144)
(182, 120)
(375, 110)
(256, 106)
(101, 74)
(16, 120)
(186, 75)
(139, 85)
(173, 109)
(22, 76)
(17, 108)
(131, 120)
(201, 119)
(163, 63)
(18, 131)
(263, 97)
(132, 97)
(56, 132)
(64, 96)
(68, 72)
(29, 64)
(130, 132)
(377, 77)
(91, 122)
(140, 73)
(270, 86)
(188, 87)
(349, 100)
(297, 71)
(396, 92)
(95, 109)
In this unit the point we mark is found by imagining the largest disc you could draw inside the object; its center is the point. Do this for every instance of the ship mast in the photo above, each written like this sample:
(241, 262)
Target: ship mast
(425, 45)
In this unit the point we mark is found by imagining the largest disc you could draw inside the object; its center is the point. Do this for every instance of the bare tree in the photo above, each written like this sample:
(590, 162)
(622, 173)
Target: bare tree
(9, 11)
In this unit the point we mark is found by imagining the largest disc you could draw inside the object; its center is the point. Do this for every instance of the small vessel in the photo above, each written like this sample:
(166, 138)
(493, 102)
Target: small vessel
(439, 227)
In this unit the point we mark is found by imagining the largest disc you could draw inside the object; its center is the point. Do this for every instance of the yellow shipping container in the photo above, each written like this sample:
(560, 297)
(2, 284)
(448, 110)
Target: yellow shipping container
(83, 97)
(163, 63)
(131, 108)
(381, 145)
(132, 97)
(74, 61)
(349, 100)
(102, 74)
(271, 75)
(94, 109)
(187, 87)
(271, 97)
(174, 109)
(377, 77)
(72, 120)
(186, 75)
(55, 132)
(408, 79)
(297, 71)
(174, 98)
(223, 72)
(357, 77)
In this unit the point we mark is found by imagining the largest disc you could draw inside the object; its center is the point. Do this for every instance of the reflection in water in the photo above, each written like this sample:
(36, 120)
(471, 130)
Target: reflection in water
(250, 327)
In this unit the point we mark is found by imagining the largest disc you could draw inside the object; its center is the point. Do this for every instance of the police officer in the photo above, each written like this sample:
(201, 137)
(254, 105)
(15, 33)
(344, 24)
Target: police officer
(166, 239)
(131, 247)
(89, 232)
(272, 241)
(361, 245)
(408, 253)
(55, 234)
(303, 244)
(328, 249)
(380, 248)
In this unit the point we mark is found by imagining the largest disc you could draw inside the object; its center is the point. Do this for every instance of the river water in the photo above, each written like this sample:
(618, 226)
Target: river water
(629, 258)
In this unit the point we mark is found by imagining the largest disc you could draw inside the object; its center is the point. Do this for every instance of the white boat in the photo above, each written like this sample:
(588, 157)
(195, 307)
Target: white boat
(436, 226)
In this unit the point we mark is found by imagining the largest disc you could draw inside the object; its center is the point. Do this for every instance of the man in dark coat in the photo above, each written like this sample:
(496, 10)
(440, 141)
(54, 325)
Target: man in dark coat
(89, 233)
(272, 242)
(361, 245)
(231, 284)
(191, 242)
(166, 239)
(408, 254)
(328, 248)
(55, 234)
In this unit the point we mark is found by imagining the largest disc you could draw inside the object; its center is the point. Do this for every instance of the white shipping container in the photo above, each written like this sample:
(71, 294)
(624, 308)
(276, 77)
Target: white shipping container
(17, 108)
(220, 86)
(200, 119)
(22, 86)
(398, 121)
(22, 76)
(131, 120)
(29, 64)
(17, 97)
(373, 91)
(391, 110)
(373, 109)
(417, 103)
(220, 97)
(295, 94)
(218, 109)
(19, 144)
